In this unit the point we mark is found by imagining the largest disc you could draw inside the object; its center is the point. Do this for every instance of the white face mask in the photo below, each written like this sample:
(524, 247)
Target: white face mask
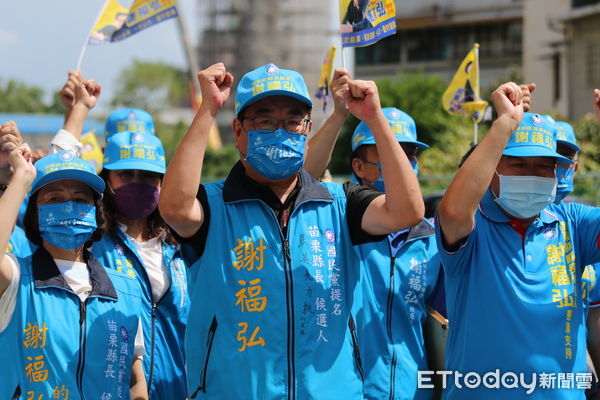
(525, 196)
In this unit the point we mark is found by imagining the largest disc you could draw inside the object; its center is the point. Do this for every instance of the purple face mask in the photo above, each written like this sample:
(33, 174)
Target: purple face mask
(136, 200)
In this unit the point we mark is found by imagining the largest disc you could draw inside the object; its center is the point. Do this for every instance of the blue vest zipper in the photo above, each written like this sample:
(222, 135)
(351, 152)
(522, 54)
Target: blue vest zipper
(82, 343)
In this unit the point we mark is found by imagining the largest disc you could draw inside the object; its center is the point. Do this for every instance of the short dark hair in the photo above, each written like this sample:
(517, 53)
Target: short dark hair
(467, 155)
(361, 153)
(32, 225)
(156, 224)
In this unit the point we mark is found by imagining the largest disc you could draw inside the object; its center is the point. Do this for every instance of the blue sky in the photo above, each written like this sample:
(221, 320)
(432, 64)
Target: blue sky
(41, 40)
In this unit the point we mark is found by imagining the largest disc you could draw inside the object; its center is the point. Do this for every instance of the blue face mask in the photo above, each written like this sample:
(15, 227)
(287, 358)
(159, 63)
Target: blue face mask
(525, 196)
(67, 225)
(415, 166)
(275, 155)
(565, 183)
(378, 184)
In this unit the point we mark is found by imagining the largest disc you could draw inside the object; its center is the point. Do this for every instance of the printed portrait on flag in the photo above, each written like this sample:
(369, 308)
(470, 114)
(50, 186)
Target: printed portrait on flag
(112, 20)
(364, 22)
(117, 22)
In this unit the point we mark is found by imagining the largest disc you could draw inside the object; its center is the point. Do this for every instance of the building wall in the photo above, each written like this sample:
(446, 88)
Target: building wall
(434, 36)
(545, 54)
(584, 61)
(246, 34)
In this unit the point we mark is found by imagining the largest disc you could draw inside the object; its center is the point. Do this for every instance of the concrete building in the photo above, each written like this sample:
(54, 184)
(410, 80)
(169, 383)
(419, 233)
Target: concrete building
(245, 34)
(435, 35)
(555, 43)
(582, 33)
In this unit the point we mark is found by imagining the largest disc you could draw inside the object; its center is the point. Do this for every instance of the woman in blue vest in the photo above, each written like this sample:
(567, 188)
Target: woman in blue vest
(68, 326)
(138, 243)
(137, 240)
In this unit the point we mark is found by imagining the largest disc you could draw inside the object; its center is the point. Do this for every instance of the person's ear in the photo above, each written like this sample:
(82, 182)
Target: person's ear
(576, 166)
(308, 128)
(238, 131)
(358, 168)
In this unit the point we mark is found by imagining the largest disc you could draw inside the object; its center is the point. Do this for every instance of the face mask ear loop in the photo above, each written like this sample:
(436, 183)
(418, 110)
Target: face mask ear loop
(491, 190)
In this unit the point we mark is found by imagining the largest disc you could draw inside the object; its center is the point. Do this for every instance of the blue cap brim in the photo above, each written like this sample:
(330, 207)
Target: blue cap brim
(135, 164)
(571, 145)
(371, 140)
(270, 93)
(420, 145)
(535, 151)
(90, 179)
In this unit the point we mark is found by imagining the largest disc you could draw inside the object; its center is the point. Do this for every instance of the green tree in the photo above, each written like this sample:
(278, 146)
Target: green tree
(420, 96)
(152, 86)
(587, 180)
(217, 163)
(20, 98)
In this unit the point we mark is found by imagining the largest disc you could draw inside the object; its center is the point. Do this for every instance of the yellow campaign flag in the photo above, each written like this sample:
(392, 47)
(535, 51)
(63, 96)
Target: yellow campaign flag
(116, 22)
(326, 75)
(364, 22)
(91, 150)
(462, 96)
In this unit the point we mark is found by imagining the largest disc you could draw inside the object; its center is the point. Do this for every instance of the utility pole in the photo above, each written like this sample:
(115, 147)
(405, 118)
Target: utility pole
(214, 139)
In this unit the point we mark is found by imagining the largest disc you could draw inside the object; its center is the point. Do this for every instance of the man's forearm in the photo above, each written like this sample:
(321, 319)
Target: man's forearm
(321, 144)
(75, 120)
(181, 181)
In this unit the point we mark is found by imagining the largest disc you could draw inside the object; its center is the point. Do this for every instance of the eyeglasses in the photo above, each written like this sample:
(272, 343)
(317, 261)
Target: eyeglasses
(146, 177)
(291, 125)
(377, 164)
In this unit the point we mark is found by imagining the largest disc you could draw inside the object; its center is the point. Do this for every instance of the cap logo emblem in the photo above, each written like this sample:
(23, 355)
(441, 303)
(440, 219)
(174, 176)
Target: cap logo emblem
(272, 69)
(66, 156)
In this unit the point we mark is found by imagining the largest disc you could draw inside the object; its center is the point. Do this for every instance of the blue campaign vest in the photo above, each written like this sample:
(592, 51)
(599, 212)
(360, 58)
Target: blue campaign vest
(270, 316)
(164, 322)
(19, 245)
(64, 348)
(515, 302)
(396, 286)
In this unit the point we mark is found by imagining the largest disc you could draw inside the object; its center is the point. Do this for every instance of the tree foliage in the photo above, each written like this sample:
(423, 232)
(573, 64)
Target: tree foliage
(152, 86)
(420, 96)
(18, 97)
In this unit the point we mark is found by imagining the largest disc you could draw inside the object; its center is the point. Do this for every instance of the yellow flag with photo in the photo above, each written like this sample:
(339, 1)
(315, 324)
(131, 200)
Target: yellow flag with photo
(462, 96)
(325, 78)
(91, 150)
(116, 22)
(364, 22)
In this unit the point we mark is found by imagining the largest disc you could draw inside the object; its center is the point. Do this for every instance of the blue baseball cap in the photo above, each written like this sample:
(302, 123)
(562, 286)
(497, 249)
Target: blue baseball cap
(534, 137)
(270, 80)
(134, 150)
(65, 165)
(402, 124)
(566, 135)
(128, 119)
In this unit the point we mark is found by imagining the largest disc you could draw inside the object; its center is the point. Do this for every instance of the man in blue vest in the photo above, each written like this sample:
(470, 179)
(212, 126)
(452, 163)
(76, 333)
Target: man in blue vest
(399, 273)
(513, 263)
(273, 275)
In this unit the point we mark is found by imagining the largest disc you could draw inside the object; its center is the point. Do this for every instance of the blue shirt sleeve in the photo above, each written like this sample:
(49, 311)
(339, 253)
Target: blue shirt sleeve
(586, 222)
(456, 261)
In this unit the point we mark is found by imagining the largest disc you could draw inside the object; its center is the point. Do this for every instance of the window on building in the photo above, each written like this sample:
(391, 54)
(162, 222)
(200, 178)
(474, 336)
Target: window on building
(497, 40)
(386, 51)
(583, 3)
(592, 62)
(427, 44)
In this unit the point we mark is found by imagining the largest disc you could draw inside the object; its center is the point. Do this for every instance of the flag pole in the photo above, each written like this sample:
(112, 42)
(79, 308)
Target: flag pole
(475, 124)
(87, 38)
